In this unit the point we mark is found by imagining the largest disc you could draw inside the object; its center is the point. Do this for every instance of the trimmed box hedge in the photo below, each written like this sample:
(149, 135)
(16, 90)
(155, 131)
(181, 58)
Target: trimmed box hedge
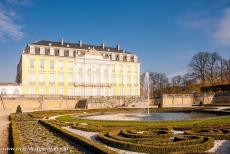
(17, 145)
(217, 134)
(187, 143)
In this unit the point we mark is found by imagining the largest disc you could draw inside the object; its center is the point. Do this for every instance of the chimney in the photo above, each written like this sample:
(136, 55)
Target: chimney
(103, 45)
(118, 47)
(80, 43)
(62, 41)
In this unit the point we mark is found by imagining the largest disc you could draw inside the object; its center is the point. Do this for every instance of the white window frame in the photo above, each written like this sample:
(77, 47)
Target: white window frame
(52, 53)
(60, 91)
(31, 77)
(52, 77)
(61, 78)
(42, 51)
(32, 50)
(61, 65)
(71, 53)
(42, 63)
(42, 77)
(61, 52)
(32, 63)
(52, 64)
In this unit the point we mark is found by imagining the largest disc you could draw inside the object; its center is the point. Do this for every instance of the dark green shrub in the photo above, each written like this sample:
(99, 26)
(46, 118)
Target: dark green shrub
(17, 145)
(187, 143)
(19, 109)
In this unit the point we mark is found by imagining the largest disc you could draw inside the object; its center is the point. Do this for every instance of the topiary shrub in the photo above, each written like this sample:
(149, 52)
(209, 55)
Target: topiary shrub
(19, 109)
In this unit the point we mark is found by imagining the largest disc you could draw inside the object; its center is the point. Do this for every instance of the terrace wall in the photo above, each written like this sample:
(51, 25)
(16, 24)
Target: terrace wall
(28, 103)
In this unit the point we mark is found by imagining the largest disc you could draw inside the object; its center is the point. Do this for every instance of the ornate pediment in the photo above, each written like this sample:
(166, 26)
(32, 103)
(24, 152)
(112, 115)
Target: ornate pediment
(93, 52)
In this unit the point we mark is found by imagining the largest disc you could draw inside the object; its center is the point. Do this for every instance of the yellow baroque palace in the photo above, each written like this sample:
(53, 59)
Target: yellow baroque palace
(77, 69)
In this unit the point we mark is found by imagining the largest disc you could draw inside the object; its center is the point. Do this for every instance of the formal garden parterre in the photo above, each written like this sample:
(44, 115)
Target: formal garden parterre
(37, 129)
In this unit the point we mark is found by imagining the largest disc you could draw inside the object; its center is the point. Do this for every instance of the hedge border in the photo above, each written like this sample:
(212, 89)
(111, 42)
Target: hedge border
(206, 144)
(216, 135)
(95, 147)
(17, 144)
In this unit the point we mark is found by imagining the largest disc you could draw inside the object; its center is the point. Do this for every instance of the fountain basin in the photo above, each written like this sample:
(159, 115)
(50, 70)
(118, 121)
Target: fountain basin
(156, 116)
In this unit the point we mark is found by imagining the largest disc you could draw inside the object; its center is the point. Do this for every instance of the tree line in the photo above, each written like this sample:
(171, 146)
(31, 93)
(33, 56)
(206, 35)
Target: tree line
(204, 68)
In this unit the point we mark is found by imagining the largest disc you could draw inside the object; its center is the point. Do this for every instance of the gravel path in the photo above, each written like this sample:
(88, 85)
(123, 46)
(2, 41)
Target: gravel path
(221, 147)
(4, 131)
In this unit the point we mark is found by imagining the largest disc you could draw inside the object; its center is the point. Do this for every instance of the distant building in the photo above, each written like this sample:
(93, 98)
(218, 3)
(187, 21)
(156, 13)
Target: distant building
(10, 89)
(77, 69)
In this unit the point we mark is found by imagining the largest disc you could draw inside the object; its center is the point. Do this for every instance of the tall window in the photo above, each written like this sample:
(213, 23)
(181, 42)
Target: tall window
(113, 79)
(113, 68)
(70, 78)
(70, 91)
(52, 79)
(31, 77)
(129, 69)
(42, 63)
(60, 65)
(31, 63)
(71, 66)
(42, 77)
(60, 91)
(60, 78)
(31, 91)
(52, 64)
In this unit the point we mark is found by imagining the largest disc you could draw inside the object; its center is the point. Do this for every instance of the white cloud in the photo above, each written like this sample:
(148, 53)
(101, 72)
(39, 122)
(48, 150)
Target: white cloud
(216, 27)
(222, 33)
(9, 28)
(20, 2)
(180, 72)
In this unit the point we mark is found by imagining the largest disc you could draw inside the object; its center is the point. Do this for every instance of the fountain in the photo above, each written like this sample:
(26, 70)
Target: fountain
(146, 84)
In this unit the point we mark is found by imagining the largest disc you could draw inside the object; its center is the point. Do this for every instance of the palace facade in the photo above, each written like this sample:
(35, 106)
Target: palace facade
(77, 69)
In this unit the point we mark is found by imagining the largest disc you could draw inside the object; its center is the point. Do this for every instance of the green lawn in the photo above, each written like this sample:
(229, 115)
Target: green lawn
(223, 120)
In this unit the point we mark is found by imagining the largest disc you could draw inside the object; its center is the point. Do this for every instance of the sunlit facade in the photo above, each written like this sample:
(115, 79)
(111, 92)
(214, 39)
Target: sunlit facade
(77, 69)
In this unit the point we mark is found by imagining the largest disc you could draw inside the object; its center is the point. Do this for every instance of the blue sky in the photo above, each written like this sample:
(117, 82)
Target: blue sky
(165, 34)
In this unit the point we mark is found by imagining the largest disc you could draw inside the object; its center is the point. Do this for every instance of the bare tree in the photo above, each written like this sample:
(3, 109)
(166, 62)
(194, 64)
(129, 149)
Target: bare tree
(199, 66)
(177, 80)
(226, 69)
(213, 68)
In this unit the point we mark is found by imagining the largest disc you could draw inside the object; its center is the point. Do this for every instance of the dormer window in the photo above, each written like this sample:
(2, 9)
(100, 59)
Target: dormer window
(42, 50)
(135, 58)
(61, 52)
(117, 57)
(32, 50)
(128, 57)
(52, 51)
(120, 57)
(71, 53)
(113, 56)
